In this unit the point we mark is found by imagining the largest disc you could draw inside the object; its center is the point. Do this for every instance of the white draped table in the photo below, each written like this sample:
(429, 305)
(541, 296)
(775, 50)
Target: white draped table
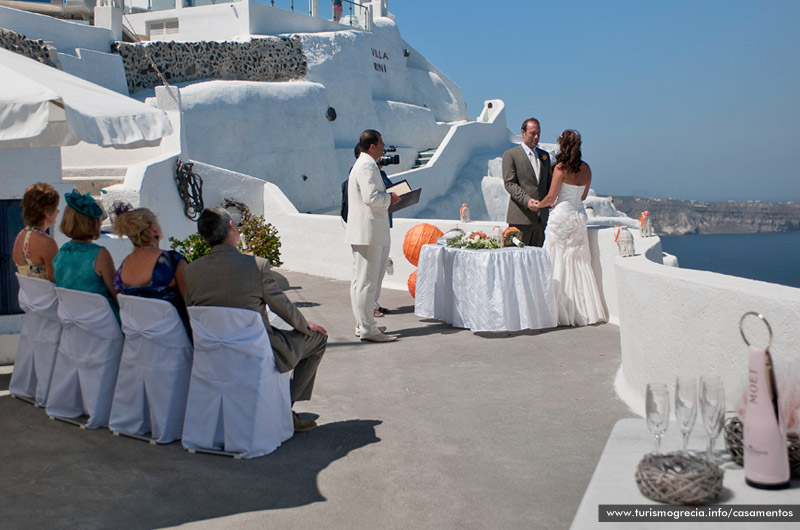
(508, 289)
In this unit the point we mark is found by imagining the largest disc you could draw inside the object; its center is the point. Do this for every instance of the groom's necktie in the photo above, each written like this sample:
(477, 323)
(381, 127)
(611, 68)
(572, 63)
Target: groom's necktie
(535, 164)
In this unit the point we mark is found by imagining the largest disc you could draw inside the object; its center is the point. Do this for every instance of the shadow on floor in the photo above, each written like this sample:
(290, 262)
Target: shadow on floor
(56, 475)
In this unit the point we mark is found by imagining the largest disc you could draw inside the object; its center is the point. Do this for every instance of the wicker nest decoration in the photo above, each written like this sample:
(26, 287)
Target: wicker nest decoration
(679, 479)
(734, 441)
(734, 437)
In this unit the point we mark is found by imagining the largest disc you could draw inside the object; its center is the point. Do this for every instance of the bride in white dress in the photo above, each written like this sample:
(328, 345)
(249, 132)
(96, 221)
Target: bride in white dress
(566, 237)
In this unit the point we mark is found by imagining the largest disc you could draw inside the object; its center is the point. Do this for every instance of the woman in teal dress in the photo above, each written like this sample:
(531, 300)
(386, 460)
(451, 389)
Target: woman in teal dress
(80, 264)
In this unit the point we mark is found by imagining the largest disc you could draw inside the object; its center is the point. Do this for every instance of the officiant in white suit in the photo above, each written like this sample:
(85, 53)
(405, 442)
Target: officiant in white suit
(368, 233)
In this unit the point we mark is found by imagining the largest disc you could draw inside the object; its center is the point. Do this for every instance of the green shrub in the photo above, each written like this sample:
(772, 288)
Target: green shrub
(192, 247)
(258, 238)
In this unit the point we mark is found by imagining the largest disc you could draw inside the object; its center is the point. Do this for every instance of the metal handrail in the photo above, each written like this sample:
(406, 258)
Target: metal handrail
(350, 7)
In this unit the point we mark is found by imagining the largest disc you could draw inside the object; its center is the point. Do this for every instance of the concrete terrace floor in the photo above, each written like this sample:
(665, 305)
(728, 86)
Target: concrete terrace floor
(443, 429)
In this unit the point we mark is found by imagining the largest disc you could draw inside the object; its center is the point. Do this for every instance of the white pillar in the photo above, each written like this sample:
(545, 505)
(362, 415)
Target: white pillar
(313, 8)
(109, 17)
(169, 100)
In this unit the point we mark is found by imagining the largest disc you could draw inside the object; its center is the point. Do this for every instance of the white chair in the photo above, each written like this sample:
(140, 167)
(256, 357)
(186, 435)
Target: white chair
(239, 404)
(88, 359)
(38, 341)
(153, 380)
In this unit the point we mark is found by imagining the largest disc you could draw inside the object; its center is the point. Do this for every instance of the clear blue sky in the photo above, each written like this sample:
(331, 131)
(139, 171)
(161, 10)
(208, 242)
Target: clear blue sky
(689, 99)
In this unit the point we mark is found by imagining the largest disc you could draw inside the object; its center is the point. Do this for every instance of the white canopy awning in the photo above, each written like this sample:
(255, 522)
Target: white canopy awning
(35, 99)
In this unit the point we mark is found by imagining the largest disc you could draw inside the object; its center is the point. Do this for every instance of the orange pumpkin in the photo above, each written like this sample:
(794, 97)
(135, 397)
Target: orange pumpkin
(421, 234)
(412, 283)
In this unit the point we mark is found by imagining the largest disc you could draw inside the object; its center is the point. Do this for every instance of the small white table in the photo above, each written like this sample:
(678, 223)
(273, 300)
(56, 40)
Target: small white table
(613, 481)
(507, 289)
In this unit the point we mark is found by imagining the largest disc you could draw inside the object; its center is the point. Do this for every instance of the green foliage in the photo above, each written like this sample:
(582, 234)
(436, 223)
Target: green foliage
(192, 247)
(260, 238)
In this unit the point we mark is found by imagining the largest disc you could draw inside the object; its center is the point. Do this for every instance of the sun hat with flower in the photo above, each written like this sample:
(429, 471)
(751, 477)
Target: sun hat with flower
(85, 204)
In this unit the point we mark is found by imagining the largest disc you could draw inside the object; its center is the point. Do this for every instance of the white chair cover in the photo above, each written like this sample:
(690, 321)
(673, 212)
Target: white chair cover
(238, 401)
(38, 340)
(153, 380)
(88, 358)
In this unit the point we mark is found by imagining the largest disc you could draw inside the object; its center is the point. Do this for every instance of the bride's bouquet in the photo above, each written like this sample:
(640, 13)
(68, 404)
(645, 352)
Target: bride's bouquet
(474, 241)
(511, 236)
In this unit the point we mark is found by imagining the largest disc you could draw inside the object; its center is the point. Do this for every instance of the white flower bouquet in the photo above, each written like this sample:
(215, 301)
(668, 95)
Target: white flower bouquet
(474, 241)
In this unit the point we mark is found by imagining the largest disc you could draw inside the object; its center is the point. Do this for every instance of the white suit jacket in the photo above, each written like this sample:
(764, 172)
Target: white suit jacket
(367, 204)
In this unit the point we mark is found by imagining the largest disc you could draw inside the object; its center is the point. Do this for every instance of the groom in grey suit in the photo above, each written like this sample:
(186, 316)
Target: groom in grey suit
(225, 277)
(527, 175)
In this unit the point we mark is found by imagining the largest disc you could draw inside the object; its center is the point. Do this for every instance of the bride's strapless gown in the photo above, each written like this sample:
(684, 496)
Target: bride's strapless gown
(566, 241)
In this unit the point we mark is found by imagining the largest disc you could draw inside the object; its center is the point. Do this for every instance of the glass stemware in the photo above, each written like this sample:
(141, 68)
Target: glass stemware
(712, 408)
(685, 405)
(657, 410)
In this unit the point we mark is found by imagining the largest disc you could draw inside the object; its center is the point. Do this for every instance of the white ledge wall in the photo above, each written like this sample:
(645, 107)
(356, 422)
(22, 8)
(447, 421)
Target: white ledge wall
(66, 36)
(682, 321)
(462, 143)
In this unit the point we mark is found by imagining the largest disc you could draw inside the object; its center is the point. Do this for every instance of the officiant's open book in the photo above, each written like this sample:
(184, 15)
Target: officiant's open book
(408, 196)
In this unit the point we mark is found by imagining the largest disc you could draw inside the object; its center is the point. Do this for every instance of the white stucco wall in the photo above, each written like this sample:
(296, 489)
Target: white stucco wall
(19, 168)
(462, 143)
(248, 118)
(682, 321)
(66, 36)
(104, 69)
(219, 22)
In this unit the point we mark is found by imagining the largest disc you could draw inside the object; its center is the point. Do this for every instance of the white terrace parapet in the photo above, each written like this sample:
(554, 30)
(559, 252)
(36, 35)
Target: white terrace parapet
(682, 321)
(488, 135)
(66, 36)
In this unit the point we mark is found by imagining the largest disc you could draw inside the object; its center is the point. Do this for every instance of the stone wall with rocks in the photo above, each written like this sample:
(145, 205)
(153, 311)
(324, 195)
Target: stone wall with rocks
(38, 50)
(263, 59)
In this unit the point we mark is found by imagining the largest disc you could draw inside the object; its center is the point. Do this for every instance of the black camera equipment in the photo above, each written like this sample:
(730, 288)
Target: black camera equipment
(391, 159)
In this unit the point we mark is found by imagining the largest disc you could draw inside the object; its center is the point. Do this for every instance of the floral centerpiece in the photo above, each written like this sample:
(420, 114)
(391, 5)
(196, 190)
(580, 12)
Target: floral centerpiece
(474, 241)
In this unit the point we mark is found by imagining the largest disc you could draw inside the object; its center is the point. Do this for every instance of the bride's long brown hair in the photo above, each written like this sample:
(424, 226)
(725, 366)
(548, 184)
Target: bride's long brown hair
(569, 153)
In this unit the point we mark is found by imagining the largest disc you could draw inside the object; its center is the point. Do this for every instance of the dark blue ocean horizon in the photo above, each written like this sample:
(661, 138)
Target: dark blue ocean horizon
(772, 257)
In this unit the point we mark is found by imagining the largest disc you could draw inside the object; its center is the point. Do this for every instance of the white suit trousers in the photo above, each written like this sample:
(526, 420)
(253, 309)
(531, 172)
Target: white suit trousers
(384, 258)
(364, 287)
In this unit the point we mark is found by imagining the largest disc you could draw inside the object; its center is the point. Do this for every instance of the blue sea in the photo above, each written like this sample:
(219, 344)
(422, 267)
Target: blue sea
(773, 258)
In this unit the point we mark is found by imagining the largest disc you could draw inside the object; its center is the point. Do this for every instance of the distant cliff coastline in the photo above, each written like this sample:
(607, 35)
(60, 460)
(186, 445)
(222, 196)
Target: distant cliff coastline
(674, 217)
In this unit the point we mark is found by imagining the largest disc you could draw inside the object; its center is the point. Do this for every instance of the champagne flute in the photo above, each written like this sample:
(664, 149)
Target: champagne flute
(712, 408)
(685, 405)
(657, 410)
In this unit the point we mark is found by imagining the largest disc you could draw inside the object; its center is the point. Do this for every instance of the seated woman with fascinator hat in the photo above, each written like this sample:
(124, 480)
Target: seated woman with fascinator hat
(148, 271)
(34, 249)
(80, 264)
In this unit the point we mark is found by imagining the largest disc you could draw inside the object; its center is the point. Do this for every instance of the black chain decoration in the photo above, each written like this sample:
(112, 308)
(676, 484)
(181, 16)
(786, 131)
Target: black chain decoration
(230, 203)
(190, 189)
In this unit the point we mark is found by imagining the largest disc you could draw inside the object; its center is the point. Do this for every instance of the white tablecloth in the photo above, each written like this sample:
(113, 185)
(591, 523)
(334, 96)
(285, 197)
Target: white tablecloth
(507, 289)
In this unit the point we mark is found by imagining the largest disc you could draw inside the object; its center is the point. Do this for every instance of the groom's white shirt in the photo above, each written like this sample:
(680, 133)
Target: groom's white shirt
(532, 157)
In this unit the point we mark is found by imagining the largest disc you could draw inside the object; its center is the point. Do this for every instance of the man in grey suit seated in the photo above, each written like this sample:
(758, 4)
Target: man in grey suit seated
(227, 278)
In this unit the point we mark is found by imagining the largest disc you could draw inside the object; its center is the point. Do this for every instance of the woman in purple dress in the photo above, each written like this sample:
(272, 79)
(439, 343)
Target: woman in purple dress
(148, 271)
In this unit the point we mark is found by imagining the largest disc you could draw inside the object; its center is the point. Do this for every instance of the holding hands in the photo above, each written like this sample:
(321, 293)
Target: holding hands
(533, 205)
